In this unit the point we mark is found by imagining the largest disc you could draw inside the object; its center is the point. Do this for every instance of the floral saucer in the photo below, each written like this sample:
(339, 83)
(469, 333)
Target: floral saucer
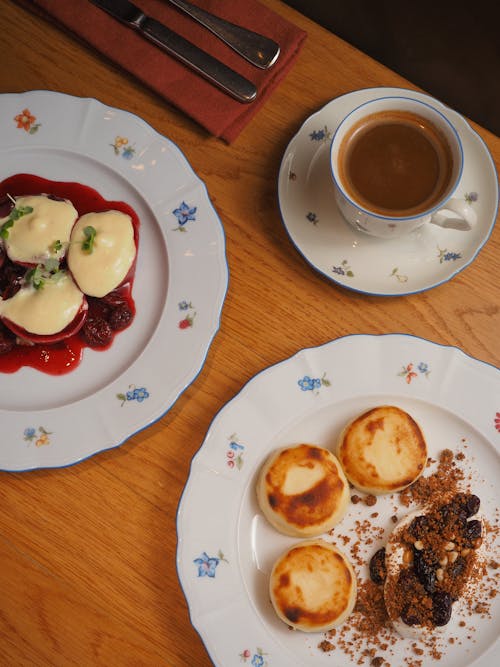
(425, 258)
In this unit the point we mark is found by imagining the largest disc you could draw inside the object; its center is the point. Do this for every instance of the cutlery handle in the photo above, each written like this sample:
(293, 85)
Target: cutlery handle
(203, 63)
(257, 49)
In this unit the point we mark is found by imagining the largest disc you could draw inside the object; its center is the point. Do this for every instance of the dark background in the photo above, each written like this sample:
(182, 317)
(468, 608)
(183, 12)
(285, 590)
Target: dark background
(449, 49)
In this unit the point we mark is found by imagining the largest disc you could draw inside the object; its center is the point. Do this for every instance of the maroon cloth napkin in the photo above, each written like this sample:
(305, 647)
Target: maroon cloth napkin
(214, 110)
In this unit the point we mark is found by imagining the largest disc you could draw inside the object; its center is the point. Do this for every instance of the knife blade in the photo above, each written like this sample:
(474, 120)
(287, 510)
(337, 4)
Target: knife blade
(189, 54)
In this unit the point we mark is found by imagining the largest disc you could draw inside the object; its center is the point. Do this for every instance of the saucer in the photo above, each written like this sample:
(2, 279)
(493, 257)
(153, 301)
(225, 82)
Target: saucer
(423, 259)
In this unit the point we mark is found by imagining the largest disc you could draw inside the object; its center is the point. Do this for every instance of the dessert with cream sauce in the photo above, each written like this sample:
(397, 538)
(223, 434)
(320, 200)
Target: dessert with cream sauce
(67, 264)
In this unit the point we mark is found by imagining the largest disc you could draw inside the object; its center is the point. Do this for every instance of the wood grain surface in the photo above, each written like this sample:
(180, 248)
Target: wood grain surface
(87, 553)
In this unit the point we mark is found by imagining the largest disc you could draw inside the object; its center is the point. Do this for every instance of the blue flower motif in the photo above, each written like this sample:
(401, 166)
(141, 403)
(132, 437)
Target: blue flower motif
(236, 446)
(471, 197)
(257, 660)
(128, 153)
(206, 565)
(445, 255)
(320, 135)
(423, 367)
(184, 305)
(312, 217)
(317, 135)
(184, 213)
(29, 433)
(451, 256)
(309, 384)
(140, 394)
(339, 270)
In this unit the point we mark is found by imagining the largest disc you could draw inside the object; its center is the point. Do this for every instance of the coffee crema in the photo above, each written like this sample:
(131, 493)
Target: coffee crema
(395, 163)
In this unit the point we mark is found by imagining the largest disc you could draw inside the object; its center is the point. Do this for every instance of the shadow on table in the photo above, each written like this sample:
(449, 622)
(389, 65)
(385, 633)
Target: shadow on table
(449, 49)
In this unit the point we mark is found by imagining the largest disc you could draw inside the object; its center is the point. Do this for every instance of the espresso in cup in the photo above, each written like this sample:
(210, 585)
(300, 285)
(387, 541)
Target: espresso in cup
(395, 163)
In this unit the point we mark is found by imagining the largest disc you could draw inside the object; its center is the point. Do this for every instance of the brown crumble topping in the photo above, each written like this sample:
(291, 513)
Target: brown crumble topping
(326, 646)
(481, 608)
(368, 635)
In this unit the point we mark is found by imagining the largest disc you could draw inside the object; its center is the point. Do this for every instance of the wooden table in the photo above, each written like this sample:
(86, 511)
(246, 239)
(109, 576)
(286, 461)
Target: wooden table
(87, 553)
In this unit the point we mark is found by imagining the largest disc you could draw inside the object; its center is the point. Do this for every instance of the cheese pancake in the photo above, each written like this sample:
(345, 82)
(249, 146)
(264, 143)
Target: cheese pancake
(302, 490)
(383, 450)
(313, 586)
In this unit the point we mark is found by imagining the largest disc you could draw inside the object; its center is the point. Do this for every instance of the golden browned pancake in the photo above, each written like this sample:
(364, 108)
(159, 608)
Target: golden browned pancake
(302, 490)
(383, 450)
(313, 586)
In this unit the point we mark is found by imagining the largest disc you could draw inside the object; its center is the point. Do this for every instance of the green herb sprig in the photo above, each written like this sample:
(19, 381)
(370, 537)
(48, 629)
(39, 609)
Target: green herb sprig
(43, 273)
(56, 246)
(14, 215)
(88, 244)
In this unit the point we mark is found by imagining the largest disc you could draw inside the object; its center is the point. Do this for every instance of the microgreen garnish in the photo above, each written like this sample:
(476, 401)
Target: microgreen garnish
(34, 276)
(14, 215)
(49, 271)
(56, 246)
(89, 233)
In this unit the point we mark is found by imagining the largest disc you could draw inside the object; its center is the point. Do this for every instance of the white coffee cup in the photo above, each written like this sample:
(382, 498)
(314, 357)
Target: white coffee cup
(388, 220)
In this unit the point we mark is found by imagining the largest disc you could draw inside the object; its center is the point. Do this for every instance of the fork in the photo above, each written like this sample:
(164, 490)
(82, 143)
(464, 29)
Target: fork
(257, 49)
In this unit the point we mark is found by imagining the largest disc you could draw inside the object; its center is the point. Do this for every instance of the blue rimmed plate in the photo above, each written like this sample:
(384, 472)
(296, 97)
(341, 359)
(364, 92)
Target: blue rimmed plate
(179, 289)
(226, 548)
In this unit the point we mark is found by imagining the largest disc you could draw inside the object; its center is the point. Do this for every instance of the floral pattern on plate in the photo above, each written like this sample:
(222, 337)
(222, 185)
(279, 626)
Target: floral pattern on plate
(184, 214)
(122, 147)
(39, 436)
(133, 393)
(189, 314)
(234, 453)
(410, 371)
(26, 121)
(308, 383)
(257, 657)
(207, 565)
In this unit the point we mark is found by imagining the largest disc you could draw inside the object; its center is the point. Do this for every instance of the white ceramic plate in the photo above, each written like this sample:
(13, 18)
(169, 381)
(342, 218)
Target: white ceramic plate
(226, 547)
(179, 288)
(422, 260)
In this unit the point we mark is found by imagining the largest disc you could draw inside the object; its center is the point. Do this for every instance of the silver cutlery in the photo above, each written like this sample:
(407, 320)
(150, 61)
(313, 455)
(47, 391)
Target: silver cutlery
(257, 49)
(189, 54)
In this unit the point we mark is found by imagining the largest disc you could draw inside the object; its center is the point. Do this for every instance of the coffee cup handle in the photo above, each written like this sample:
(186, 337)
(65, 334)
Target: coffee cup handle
(457, 214)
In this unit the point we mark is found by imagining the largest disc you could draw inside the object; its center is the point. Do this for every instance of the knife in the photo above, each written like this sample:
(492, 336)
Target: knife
(190, 55)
